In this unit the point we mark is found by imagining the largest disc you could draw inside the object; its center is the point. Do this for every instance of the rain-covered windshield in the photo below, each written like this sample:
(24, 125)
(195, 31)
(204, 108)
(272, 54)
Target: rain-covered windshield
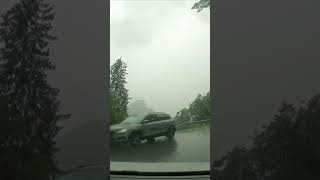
(164, 74)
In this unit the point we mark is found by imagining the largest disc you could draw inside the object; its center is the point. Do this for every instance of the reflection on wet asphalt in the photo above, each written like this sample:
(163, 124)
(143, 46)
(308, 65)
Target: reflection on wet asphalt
(187, 146)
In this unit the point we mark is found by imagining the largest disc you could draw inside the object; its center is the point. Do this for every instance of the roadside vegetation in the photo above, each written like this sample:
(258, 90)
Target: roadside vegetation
(118, 92)
(198, 110)
(286, 148)
(195, 125)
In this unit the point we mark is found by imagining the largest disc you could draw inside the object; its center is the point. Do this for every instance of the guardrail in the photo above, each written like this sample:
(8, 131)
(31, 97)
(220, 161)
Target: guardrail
(190, 122)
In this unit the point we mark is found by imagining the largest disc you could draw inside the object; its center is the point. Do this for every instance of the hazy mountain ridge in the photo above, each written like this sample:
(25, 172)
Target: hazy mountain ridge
(138, 106)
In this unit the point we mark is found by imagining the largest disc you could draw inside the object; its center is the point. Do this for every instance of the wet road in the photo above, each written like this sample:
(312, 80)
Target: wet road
(187, 146)
(86, 144)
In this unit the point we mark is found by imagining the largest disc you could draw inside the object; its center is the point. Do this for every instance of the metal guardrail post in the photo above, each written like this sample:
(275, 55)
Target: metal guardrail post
(191, 122)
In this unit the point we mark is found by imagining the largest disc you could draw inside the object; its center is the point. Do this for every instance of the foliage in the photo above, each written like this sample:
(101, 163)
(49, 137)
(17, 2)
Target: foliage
(182, 116)
(199, 109)
(287, 148)
(237, 165)
(27, 145)
(119, 93)
(203, 4)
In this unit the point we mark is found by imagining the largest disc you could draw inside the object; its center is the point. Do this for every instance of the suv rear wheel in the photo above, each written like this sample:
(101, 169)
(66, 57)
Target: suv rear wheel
(135, 139)
(171, 132)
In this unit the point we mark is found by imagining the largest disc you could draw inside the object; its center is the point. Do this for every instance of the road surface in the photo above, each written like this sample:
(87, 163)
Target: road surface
(187, 146)
(88, 144)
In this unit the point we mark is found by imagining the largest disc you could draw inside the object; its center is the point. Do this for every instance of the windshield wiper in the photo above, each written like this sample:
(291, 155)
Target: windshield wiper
(74, 169)
(141, 173)
(160, 169)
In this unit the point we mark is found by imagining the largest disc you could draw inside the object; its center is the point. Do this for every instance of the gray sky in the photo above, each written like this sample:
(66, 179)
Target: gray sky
(166, 46)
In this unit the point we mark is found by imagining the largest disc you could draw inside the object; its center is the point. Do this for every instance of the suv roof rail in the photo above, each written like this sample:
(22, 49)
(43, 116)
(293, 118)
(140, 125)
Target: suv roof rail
(149, 113)
(158, 113)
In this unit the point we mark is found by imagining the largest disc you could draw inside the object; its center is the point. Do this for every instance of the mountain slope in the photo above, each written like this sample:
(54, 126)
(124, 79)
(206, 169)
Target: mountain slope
(138, 106)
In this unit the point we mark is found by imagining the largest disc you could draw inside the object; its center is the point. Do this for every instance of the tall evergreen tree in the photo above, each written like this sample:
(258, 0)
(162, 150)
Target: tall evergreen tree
(199, 109)
(28, 146)
(203, 4)
(119, 92)
(183, 116)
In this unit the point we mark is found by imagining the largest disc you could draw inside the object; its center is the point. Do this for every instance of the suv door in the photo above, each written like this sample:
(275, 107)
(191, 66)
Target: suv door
(158, 123)
(163, 124)
(149, 128)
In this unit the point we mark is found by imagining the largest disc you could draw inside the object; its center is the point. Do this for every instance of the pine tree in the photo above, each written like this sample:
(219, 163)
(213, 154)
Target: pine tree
(28, 149)
(199, 109)
(203, 4)
(183, 116)
(119, 93)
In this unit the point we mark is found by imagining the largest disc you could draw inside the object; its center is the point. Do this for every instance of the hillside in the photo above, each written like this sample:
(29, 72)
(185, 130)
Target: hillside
(138, 106)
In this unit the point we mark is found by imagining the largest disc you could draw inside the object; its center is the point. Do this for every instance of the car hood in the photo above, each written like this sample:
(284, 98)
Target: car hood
(122, 126)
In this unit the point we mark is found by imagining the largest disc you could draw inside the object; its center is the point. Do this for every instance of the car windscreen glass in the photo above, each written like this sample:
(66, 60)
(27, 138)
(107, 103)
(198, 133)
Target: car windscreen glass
(164, 74)
(133, 120)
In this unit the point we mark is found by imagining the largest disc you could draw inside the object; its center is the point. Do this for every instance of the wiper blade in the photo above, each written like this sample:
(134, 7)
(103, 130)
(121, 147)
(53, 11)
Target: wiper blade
(64, 172)
(160, 169)
(178, 173)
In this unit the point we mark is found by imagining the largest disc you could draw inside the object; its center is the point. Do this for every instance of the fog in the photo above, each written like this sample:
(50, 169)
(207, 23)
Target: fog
(166, 46)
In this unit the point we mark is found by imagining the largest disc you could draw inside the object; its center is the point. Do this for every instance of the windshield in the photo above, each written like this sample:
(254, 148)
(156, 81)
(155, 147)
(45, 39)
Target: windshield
(160, 67)
(136, 119)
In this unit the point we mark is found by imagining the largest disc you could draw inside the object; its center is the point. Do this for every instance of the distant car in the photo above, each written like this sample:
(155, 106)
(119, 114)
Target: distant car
(147, 126)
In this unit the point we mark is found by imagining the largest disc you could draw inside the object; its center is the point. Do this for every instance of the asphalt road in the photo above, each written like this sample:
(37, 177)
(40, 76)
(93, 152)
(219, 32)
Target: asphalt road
(87, 144)
(187, 146)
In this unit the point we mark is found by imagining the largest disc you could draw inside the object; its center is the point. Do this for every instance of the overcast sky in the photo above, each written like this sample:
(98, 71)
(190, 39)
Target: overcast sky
(166, 46)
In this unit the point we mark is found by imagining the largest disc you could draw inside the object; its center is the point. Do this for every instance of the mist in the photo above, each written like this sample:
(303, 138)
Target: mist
(166, 46)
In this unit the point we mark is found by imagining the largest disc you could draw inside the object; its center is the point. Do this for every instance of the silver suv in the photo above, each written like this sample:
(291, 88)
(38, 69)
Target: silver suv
(148, 126)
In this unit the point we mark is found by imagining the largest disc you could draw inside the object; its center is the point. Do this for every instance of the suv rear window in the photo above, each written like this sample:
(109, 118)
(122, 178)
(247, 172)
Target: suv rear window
(135, 119)
(164, 117)
(152, 118)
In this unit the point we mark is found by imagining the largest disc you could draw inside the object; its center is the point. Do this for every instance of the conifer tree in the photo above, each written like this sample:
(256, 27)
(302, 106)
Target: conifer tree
(28, 146)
